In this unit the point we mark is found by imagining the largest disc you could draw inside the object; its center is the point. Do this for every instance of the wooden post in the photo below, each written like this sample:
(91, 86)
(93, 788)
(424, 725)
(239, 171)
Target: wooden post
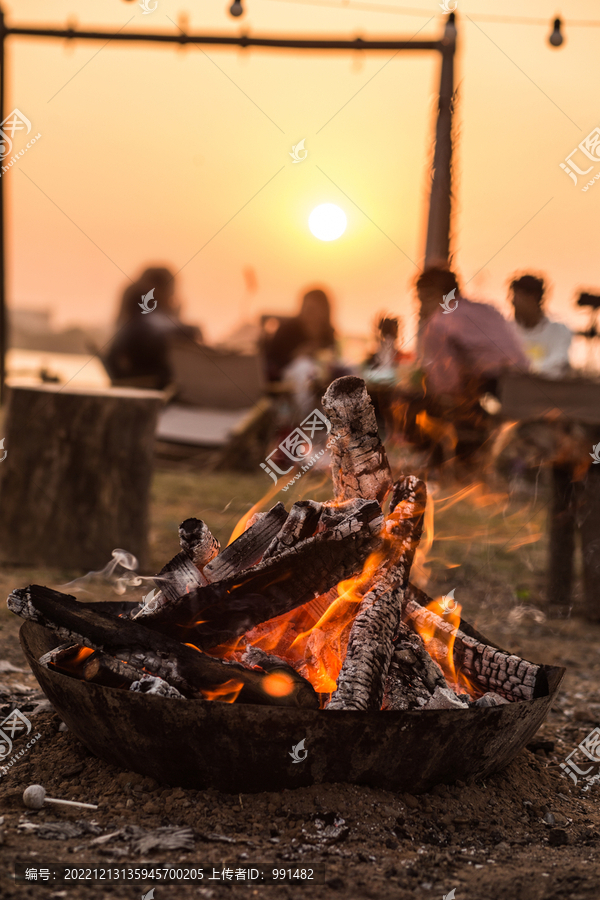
(3, 315)
(562, 537)
(437, 247)
(590, 541)
(75, 482)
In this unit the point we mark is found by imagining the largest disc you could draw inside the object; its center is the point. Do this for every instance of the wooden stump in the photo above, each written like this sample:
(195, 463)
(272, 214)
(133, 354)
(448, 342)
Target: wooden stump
(75, 481)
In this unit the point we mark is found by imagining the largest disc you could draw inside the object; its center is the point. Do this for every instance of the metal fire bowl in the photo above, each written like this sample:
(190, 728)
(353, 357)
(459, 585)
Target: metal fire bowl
(242, 747)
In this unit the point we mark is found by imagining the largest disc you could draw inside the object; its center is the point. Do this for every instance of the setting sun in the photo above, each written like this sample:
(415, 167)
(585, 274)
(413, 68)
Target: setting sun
(327, 222)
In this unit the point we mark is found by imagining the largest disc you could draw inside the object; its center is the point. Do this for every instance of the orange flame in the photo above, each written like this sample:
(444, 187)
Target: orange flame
(242, 523)
(439, 643)
(74, 663)
(440, 431)
(227, 692)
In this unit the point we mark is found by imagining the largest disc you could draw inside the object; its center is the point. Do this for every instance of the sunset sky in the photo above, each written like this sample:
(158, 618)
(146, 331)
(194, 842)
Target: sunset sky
(181, 156)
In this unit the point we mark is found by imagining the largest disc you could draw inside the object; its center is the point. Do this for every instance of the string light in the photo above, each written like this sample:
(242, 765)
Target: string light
(426, 13)
(236, 8)
(556, 37)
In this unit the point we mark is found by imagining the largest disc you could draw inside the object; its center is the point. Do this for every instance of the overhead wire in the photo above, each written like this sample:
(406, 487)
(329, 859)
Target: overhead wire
(423, 12)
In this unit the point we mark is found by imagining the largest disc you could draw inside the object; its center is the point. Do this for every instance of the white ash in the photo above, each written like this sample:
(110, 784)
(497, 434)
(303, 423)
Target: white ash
(444, 698)
(490, 699)
(150, 684)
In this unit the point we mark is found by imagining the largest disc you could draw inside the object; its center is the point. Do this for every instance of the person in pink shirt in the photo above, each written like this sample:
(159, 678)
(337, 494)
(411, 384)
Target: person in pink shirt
(465, 346)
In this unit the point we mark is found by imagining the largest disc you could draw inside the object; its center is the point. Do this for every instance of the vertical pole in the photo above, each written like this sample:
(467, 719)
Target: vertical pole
(3, 317)
(562, 539)
(437, 247)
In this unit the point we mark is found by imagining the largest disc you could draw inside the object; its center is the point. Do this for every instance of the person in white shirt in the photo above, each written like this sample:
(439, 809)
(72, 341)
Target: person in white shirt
(546, 343)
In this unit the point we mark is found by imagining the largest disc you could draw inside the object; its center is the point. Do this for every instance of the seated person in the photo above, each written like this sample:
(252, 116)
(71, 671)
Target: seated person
(302, 336)
(382, 366)
(465, 346)
(139, 353)
(545, 342)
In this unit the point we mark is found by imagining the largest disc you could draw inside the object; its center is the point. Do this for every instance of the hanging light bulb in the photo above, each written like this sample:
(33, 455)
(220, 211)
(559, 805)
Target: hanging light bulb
(236, 8)
(556, 38)
(450, 29)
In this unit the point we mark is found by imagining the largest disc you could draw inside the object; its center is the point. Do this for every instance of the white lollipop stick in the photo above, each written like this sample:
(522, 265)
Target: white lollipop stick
(35, 796)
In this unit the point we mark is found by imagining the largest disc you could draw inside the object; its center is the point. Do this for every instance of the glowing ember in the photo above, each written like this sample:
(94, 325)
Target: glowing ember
(75, 663)
(278, 684)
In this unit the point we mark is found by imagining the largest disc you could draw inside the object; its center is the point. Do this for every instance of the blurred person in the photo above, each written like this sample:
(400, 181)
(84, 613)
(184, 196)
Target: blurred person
(139, 353)
(465, 345)
(383, 364)
(381, 371)
(304, 335)
(546, 343)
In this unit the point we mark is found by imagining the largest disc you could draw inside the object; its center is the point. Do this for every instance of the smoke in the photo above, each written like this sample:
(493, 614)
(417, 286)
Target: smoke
(120, 573)
(518, 613)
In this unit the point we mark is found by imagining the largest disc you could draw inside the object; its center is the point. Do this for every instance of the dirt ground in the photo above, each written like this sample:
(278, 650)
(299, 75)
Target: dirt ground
(527, 833)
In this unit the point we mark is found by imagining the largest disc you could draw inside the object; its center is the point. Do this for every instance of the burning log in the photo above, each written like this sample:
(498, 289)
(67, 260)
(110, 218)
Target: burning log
(64, 654)
(359, 463)
(103, 669)
(486, 667)
(283, 674)
(248, 548)
(217, 613)
(184, 667)
(361, 682)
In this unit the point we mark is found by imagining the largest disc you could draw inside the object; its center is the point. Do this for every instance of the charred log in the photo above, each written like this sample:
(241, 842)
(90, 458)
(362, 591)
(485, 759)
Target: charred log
(184, 571)
(198, 542)
(361, 681)
(486, 667)
(187, 669)
(359, 463)
(300, 524)
(216, 613)
(333, 512)
(247, 550)
(179, 576)
(64, 654)
(100, 668)
(413, 676)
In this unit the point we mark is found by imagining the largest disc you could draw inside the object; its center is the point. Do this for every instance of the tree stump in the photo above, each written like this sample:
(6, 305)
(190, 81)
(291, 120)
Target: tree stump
(75, 482)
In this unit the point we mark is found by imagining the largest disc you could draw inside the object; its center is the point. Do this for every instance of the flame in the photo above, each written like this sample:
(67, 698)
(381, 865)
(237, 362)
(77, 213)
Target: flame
(313, 637)
(440, 645)
(227, 692)
(440, 431)
(74, 663)
(242, 523)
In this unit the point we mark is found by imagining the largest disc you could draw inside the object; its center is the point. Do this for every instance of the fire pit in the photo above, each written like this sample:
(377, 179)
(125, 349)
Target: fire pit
(300, 654)
(242, 747)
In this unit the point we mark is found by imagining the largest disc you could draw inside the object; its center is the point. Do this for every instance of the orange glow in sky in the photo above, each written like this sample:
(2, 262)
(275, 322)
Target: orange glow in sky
(185, 157)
